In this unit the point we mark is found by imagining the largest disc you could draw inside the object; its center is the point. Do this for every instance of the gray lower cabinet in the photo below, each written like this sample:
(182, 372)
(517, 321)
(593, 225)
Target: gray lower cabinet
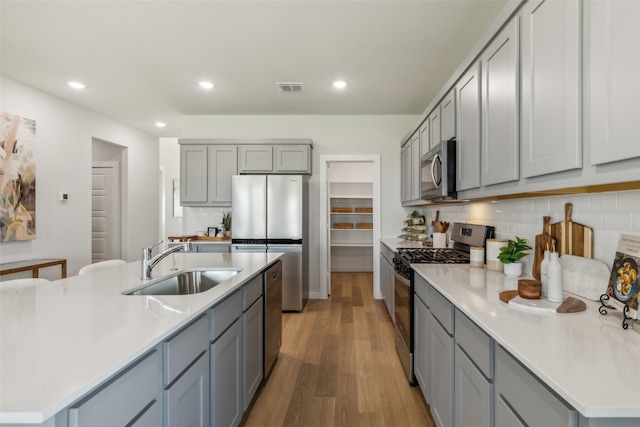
(226, 361)
(252, 340)
(124, 399)
(207, 248)
(186, 402)
(505, 416)
(212, 248)
(527, 398)
(185, 376)
(253, 362)
(473, 393)
(206, 374)
(151, 417)
(421, 345)
(441, 374)
(387, 280)
(474, 374)
(441, 358)
(226, 377)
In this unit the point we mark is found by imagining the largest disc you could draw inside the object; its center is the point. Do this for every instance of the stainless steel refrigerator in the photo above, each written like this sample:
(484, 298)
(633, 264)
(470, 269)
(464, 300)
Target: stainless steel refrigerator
(270, 214)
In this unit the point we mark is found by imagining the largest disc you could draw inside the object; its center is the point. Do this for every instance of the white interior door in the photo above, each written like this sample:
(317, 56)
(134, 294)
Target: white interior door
(105, 212)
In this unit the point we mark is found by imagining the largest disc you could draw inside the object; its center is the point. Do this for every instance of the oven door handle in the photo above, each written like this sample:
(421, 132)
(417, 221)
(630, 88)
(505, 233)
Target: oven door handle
(402, 279)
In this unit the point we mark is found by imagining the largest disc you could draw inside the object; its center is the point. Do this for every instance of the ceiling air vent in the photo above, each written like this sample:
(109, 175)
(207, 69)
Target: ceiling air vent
(290, 86)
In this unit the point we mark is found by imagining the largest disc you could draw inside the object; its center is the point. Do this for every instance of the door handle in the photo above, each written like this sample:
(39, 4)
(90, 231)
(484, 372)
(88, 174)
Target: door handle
(433, 166)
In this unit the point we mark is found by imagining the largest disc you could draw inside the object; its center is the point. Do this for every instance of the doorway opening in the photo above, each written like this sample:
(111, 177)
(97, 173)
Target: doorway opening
(106, 200)
(349, 217)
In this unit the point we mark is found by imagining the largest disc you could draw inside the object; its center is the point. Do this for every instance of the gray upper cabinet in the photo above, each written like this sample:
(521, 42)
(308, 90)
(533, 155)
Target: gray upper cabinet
(405, 172)
(551, 87)
(501, 107)
(193, 174)
(293, 158)
(468, 129)
(205, 174)
(614, 65)
(410, 169)
(425, 137)
(434, 118)
(207, 165)
(255, 158)
(274, 158)
(222, 165)
(415, 166)
(448, 116)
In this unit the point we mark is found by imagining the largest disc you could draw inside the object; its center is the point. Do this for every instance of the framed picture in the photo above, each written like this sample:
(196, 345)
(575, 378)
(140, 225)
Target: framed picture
(623, 282)
(17, 178)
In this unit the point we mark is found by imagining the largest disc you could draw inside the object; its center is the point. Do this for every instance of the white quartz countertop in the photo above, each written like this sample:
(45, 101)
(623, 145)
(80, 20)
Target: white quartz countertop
(60, 340)
(586, 358)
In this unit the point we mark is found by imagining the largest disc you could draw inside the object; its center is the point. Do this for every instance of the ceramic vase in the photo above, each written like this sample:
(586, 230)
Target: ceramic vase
(513, 269)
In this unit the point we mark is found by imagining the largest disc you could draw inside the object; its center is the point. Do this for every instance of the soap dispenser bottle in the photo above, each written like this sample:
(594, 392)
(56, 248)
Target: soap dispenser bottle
(554, 272)
(544, 276)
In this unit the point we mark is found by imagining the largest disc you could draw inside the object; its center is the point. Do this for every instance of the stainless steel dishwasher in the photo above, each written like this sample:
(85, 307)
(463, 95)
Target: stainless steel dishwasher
(273, 315)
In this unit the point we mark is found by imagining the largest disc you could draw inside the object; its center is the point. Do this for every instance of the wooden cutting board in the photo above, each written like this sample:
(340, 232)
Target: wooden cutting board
(572, 238)
(543, 242)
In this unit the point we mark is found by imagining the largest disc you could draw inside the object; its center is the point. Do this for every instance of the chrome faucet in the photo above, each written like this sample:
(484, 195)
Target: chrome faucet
(148, 263)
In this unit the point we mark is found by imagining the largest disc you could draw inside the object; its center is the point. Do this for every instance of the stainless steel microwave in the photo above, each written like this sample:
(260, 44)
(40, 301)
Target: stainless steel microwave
(438, 172)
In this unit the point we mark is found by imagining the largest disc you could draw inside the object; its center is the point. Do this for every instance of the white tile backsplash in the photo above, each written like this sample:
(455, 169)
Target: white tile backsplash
(199, 219)
(609, 214)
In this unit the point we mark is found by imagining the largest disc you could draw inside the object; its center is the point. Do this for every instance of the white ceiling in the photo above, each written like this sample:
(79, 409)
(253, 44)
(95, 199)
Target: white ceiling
(141, 60)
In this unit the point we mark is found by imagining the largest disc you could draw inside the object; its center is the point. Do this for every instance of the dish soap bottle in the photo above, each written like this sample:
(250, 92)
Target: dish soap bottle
(544, 277)
(554, 271)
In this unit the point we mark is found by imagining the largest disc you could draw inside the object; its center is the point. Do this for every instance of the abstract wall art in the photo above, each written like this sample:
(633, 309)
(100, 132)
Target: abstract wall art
(17, 178)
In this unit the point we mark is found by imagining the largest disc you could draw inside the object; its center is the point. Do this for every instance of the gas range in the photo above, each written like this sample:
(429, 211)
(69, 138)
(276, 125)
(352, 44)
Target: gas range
(432, 256)
(464, 237)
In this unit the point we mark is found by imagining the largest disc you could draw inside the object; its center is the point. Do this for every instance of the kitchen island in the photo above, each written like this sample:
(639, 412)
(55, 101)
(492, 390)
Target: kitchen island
(585, 358)
(63, 340)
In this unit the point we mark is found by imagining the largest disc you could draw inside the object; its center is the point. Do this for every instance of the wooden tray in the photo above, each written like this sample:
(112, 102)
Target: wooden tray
(570, 305)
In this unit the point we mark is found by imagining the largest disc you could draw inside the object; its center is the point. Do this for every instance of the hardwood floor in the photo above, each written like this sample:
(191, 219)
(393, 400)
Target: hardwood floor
(338, 366)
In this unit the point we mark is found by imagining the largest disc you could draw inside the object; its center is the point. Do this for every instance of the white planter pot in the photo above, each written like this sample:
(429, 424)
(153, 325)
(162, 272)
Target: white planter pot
(513, 270)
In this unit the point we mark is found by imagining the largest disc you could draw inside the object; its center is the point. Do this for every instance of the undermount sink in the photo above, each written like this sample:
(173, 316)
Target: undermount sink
(185, 282)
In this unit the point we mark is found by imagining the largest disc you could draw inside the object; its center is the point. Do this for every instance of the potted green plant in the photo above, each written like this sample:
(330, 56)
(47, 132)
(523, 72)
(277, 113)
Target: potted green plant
(226, 222)
(511, 254)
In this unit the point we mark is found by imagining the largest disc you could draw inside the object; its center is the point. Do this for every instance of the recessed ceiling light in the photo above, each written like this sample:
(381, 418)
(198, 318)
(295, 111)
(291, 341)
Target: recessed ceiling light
(339, 84)
(161, 124)
(76, 85)
(205, 84)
